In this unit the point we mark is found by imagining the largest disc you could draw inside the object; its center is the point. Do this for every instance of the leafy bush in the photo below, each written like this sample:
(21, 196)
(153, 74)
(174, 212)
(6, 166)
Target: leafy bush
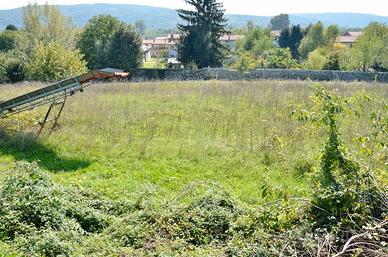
(16, 72)
(333, 62)
(345, 194)
(204, 221)
(9, 40)
(303, 168)
(48, 243)
(278, 58)
(11, 67)
(246, 62)
(42, 219)
(29, 200)
(52, 62)
(316, 60)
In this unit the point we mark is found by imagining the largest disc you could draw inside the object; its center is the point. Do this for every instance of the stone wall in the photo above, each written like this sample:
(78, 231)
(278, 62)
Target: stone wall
(223, 74)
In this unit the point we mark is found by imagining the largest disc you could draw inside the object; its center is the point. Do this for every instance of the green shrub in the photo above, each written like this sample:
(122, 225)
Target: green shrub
(135, 228)
(16, 72)
(204, 221)
(41, 218)
(11, 67)
(344, 193)
(52, 62)
(28, 201)
(47, 243)
(316, 59)
(303, 168)
(278, 58)
(9, 40)
(333, 61)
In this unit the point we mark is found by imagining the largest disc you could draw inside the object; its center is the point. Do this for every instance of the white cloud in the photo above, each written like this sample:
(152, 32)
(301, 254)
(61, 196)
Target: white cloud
(253, 7)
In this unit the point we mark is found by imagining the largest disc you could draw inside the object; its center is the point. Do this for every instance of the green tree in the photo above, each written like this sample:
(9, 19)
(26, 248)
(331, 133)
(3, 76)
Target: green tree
(250, 50)
(371, 49)
(331, 34)
(314, 39)
(250, 26)
(284, 38)
(9, 40)
(47, 24)
(94, 41)
(162, 59)
(125, 50)
(52, 62)
(296, 36)
(11, 27)
(257, 42)
(316, 59)
(278, 58)
(140, 27)
(200, 43)
(246, 62)
(332, 62)
(280, 22)
(291, 38)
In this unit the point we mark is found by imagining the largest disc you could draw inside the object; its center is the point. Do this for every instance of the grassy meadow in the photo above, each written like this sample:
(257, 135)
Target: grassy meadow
(163, 138)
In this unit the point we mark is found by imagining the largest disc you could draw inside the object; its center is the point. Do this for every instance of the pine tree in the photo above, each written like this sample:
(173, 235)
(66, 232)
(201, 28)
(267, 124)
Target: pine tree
(125, 49)
(200, 43)
(290, 38)
(284, 38)
(296, 36)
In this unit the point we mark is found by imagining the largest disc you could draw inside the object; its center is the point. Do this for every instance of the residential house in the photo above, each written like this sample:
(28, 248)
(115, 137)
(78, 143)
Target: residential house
(231, 40)
(152, 48)
(349, 38)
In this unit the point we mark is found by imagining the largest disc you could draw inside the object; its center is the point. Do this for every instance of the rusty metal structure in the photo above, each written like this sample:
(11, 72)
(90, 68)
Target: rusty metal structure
(55, 95)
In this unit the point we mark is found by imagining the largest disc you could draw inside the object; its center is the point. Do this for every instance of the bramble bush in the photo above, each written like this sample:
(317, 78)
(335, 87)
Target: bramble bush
(41, 217)
(346, 192)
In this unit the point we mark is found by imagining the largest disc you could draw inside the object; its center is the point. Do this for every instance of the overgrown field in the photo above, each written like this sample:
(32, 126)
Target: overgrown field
(133, 152)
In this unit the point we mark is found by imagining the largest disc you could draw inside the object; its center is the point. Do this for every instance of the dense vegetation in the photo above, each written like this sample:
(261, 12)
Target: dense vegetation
(200, 169)
(263, 168)
(50, 48)
(314, 47)
(201, 31)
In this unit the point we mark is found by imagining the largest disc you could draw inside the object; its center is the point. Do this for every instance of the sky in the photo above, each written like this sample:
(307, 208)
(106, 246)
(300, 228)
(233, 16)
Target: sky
(252, 7)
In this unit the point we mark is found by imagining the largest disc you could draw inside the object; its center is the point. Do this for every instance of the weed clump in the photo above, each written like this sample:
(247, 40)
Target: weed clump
(42, 218)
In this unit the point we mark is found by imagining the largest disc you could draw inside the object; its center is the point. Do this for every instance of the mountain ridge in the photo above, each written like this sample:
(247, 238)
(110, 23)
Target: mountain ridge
(166, 18)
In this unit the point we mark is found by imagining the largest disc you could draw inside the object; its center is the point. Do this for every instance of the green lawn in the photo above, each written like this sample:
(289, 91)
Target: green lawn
(122, 139)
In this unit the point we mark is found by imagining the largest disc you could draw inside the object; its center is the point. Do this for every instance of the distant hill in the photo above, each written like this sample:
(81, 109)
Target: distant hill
(164, 18)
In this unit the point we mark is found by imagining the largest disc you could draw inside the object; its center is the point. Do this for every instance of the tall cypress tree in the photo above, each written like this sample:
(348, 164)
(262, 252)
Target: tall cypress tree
(296, 36)
(284, 38)
(291, 38)
(200, 42)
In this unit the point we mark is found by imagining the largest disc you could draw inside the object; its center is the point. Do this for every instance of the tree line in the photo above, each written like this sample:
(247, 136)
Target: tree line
(49, 46)
(313, 47)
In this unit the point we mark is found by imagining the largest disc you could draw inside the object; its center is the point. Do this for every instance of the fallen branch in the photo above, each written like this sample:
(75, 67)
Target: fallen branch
(355, 237)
